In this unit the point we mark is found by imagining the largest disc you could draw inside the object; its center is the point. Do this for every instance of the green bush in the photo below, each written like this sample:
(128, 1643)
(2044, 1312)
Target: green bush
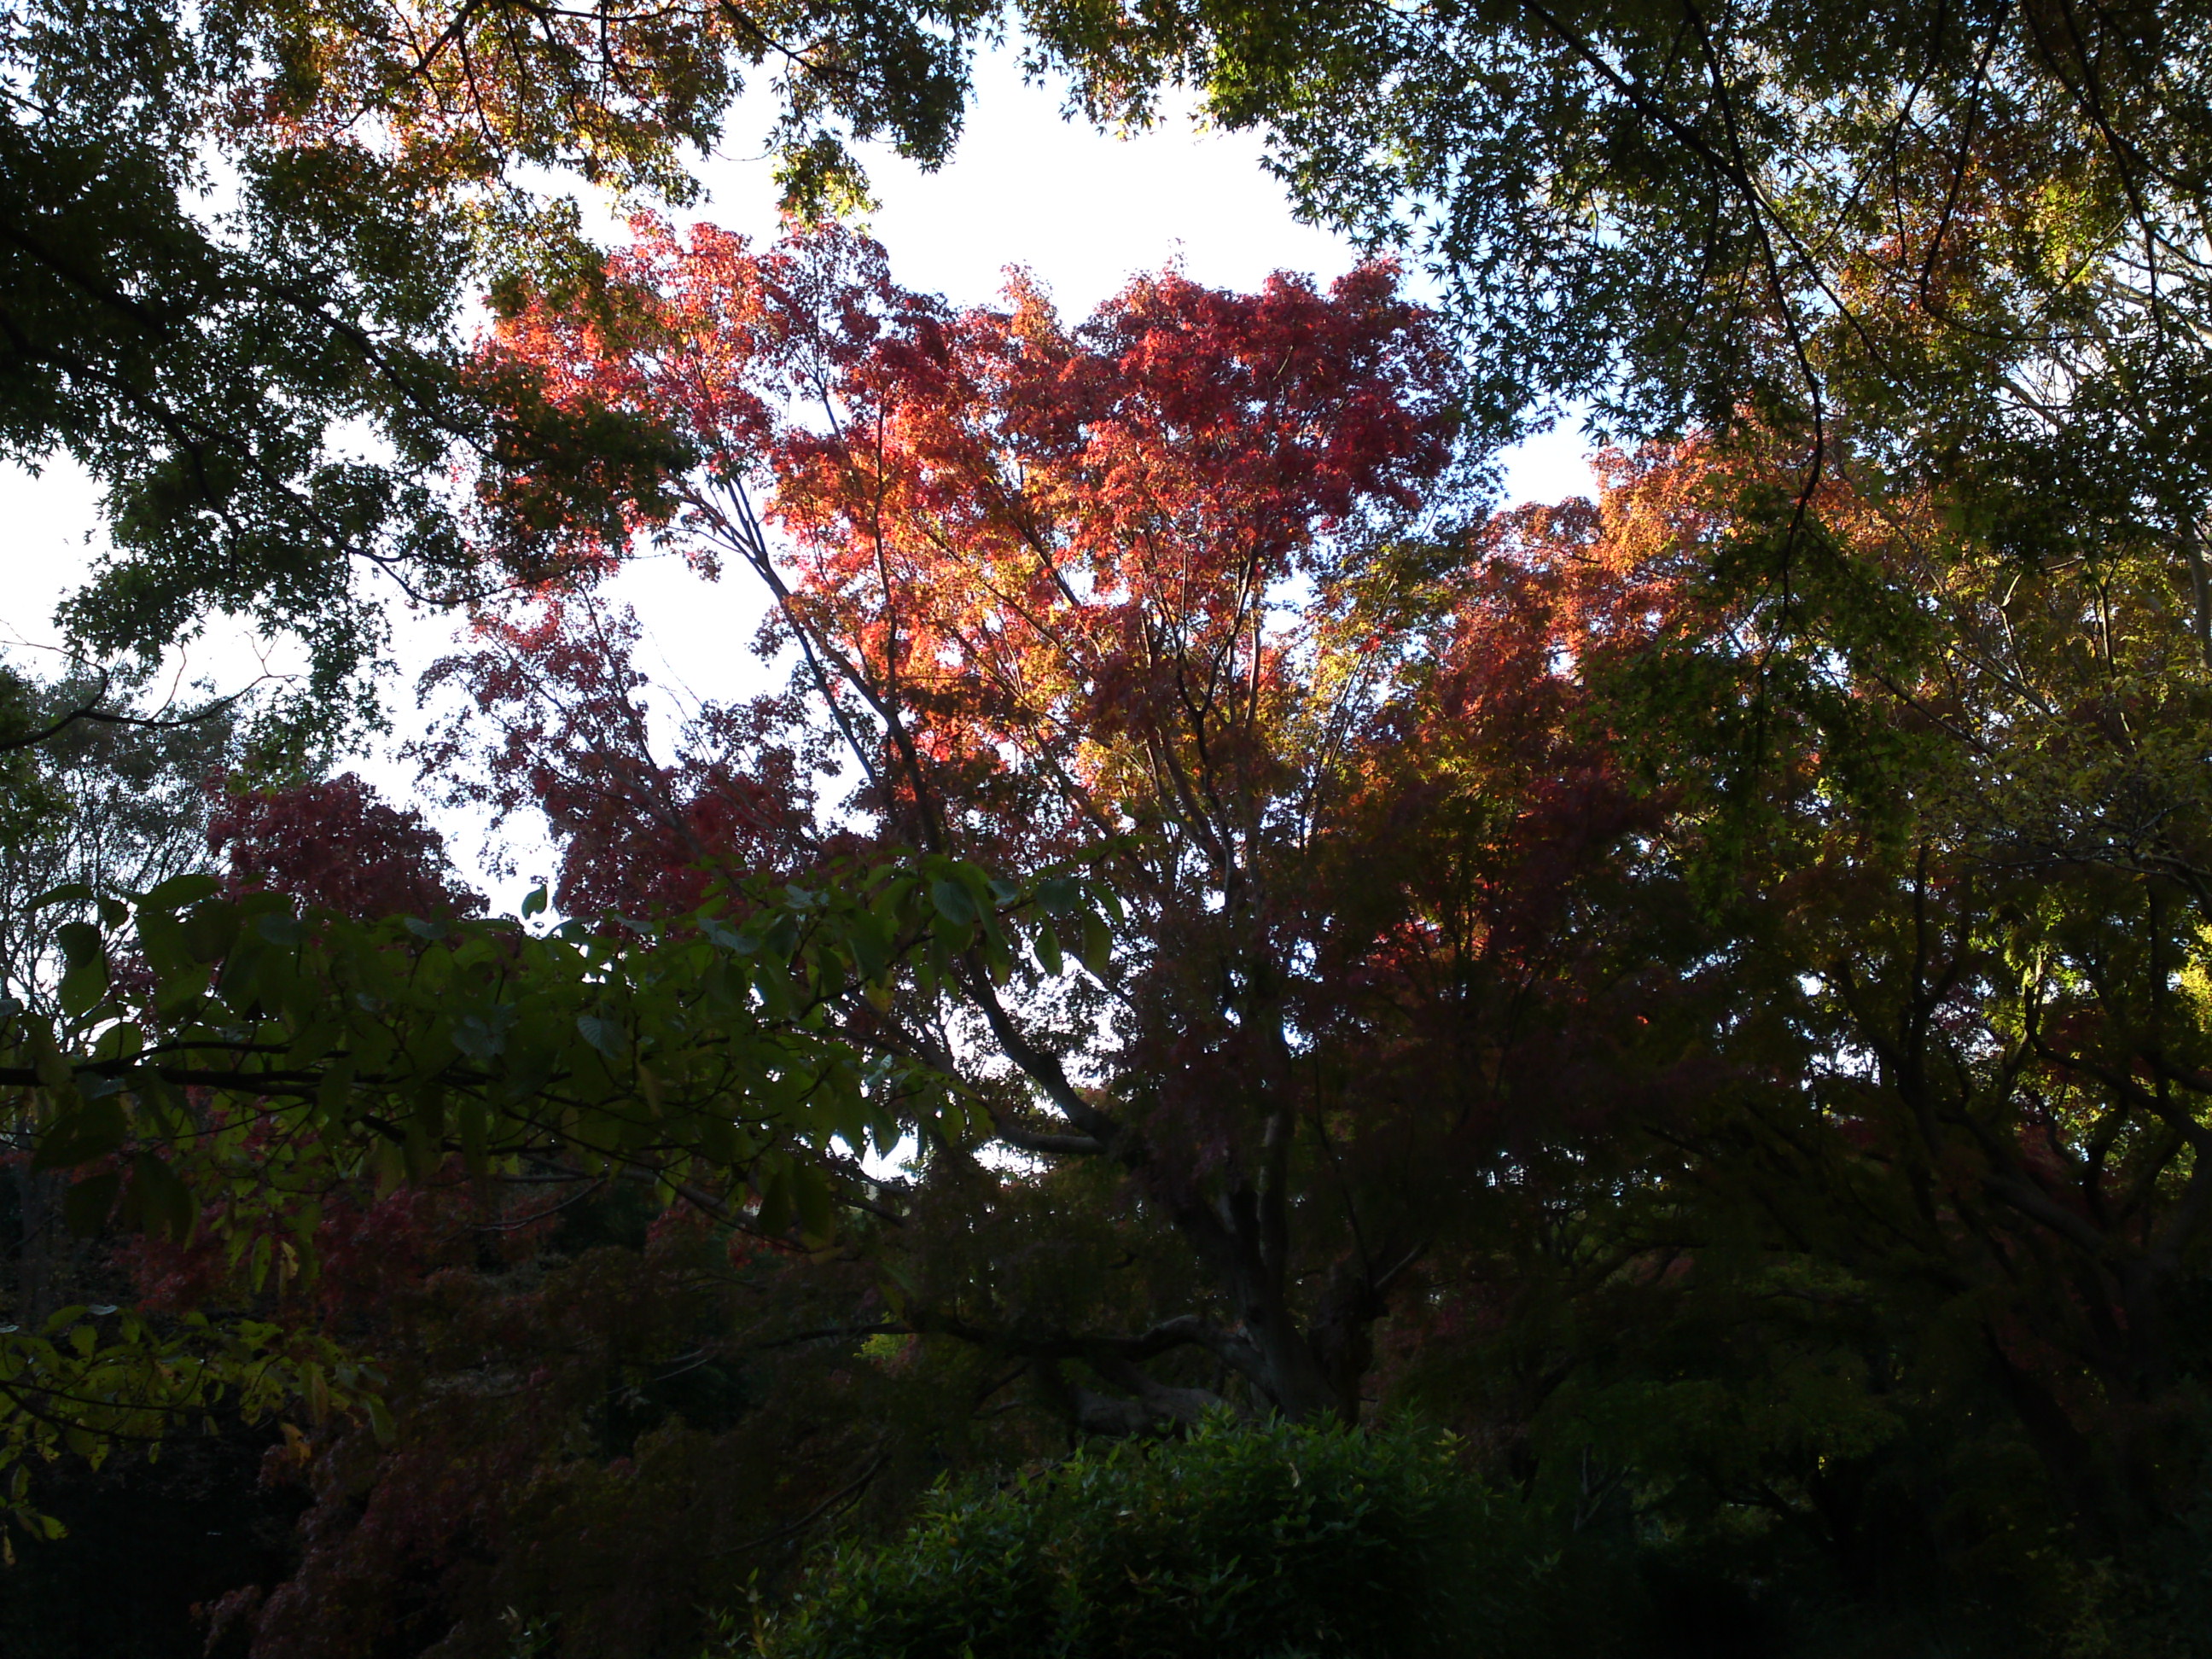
(1265, 1542)
(1272, 1541)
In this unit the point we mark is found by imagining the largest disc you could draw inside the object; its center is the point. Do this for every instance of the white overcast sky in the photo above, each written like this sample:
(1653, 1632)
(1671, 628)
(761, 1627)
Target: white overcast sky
(1080, 209)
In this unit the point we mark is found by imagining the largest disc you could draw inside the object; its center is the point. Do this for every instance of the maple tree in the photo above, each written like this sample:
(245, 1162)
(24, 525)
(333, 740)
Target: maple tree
(1703, 990)
(1678, 1023)
(1902, 231)
(1875, 226)
(1620, 917)
(1978, 807)
(1916, 1261)
(1130, 598)
(1694, 987)
(334, 845)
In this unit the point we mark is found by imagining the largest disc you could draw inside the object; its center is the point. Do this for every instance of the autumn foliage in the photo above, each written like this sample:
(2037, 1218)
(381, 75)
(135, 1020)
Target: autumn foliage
(1126, 596)
(335, 845)
(1215, 924)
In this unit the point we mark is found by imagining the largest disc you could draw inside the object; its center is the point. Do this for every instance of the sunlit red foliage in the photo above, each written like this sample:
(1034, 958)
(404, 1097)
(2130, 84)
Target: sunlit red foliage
(638, 835)
(1018, 547)
(1186, 588)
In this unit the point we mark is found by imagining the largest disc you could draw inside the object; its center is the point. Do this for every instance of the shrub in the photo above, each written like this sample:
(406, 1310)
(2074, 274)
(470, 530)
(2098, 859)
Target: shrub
(1272, 1541)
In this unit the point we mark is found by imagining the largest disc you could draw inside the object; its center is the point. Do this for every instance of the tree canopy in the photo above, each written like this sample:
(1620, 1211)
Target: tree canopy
(1637, 1065)
(241, 242)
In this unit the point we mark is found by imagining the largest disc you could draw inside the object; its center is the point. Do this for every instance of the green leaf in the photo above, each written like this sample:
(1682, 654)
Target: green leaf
(162, 1202)
(952, 901)
(85, 1207)
(728, 937)
(534, 902)
(84, 978)
(178, 891)
(483, 1037)
(163, 942)
(869, 942)
(69, 892)
(334, 1091)
(1059, 895)
(816, 1205)
(389, 1162)
(775, 1202)
(95, 1130)
(717, 1139)
(606, 1035)
(208, 928)
(475, 1133)
(1097, 949)
(80, 942)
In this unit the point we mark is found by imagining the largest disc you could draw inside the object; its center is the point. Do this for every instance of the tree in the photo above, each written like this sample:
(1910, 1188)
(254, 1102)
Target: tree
(217, 1065)
(1956, 260)
(236, 235)
(103, 804)
(332, 844)
(418, 1343)
(1912, 1263)
(1775, 892)
(1921, 240)
(1978, 812)
(1703, 989)
(606, 1416)
(1918, 237)
(1929, 285)
(1152, 597)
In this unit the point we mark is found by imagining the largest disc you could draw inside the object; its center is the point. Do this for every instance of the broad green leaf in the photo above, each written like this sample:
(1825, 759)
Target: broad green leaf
(161, 1202)
(605, 1035)
(482, 1035)
(775, 1203)
(474, 1122)
(86, 1205)
(85, 976)
(1097, 949)
(178, 891)
(1059, 895)
(208, 928)
(953, 902)
(93, 1130)
(815, 1204)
